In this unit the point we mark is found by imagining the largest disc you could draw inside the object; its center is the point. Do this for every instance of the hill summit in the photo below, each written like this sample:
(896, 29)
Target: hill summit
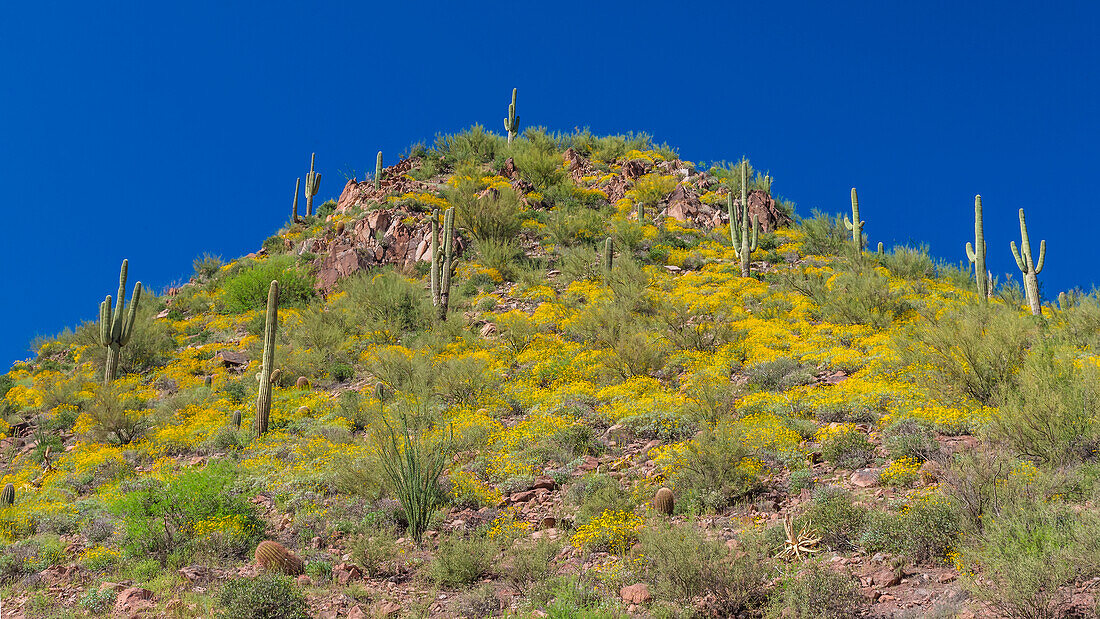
(560, 375)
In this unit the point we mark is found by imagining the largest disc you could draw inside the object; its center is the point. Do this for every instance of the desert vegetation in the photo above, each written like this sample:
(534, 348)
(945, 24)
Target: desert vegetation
(600, 380)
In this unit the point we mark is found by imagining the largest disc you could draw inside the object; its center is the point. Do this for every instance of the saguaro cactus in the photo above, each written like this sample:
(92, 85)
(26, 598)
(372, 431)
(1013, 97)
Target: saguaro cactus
(116, 326)
(266, 376)
(511, 123)
(608, 256)
(856, 224)
(743, 246)
(378, 171)
(442, 260)
(313, 183)
(976, 254)
(1030, 269)
(294, 209)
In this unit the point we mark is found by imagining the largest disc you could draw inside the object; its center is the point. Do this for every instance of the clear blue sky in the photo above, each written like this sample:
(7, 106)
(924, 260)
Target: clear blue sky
(157, 131)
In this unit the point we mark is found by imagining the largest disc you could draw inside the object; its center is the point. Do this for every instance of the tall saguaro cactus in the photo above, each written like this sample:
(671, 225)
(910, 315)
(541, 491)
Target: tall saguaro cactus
(294, 209)
(856, 224)
(378, 171)
(511, 123)
(116, 326)
(1029, 268)
(976, 254)
(608, 256)
(266, 376)
(739, 224)
(313, 183)
(442, 261)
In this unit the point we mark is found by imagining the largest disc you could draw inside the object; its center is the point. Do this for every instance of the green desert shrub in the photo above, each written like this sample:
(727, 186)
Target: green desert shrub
(909, 262)
(384, 300)
(863, 297)
(462, 560)
(596, 493)
(848, 448)
(817, 592)
(472, 145)
(824, 235)
(529, 562)
(185, 513)
(267, 596)
(715, 471)
(1051, 415)
(682, 565)
(779, 375)
(836, 518)
(247, 289)
(910, 439)
(973, 351)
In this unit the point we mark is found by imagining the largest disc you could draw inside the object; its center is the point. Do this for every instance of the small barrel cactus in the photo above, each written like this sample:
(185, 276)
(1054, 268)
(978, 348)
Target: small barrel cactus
(663, 501)
(7, 497)
(236, 419)
(302, 383)
(274, 557)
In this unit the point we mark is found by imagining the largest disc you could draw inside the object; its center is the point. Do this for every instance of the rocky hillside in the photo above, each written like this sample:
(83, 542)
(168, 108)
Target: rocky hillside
(548, 376)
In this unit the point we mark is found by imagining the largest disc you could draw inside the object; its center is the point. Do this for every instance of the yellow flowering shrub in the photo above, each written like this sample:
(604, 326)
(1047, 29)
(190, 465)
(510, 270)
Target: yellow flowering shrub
(615, 531)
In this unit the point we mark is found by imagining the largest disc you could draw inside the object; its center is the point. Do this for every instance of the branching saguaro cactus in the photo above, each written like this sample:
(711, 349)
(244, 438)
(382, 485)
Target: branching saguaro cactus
(115, 325)
(739, 224)
(442, 261)
(608, 256)
(976, 254)
(856, 224)
(313, 183)
(267, 376)
(378, 171)
(294, 209)
(1030, 269)
(511, 123)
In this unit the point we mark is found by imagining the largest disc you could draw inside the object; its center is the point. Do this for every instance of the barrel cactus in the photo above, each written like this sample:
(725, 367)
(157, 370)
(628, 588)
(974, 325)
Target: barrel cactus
(664, 502)
(274, 557)
(7, 497)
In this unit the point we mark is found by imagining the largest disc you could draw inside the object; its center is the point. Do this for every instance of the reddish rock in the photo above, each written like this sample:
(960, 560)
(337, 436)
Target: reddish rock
(196, 573)
(545, 482)
(345, 573)
(508, 171)
(133, 599)
(886, 578)
(635, 594)
(357, 612)
(304, 581)
(521, 497)
(864, 478)
(634, 168)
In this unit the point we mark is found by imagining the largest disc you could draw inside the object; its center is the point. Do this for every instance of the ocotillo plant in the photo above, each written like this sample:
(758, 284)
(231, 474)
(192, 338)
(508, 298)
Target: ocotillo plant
(511, 123)
(313, 183)
(855, 225)
(294, 209)
(378, 171)
(265, 378)
(608, 256)
(116, 326)
(1030, 269)
(739, 232)
(442, 261)
(976, 254)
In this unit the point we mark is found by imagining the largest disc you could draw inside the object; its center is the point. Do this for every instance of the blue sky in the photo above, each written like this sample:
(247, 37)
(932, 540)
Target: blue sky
(159, 131)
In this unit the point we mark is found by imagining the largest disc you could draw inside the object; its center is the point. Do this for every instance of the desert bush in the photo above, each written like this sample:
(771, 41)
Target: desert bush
(779, 375)
(384, 301)
(30, 556)
(845, 446)
(817, 592)
(267, 596)
(910, 439)
(575, 226)
(596, 493)
(1051, 415)
(376, 552)
(247, 289)
(716, 469)
(207, 267)
(474, 144)
(824, 235)
(194, 511)
(537, 160)
(1028, 555)
(909, 262)
(496, 216)
(529, 562)
(863, 297)
(461, 560)
(502, 256)
(836, 518)
(653, 188)
(682, 564)
(97, 601)
(973, 351)
(120, 416)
